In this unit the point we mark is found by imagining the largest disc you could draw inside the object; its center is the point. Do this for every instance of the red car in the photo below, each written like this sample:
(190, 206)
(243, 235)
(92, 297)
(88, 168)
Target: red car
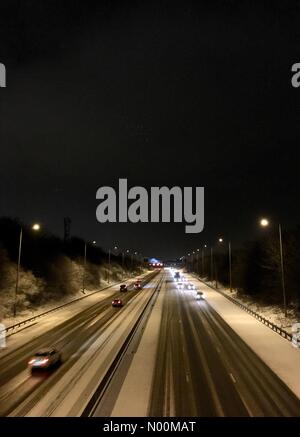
(123, 287)
(117, 303)
(137, 285)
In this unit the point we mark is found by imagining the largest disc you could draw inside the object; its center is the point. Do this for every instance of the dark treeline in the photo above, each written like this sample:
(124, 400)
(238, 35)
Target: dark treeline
(53, 267)
(256, 268)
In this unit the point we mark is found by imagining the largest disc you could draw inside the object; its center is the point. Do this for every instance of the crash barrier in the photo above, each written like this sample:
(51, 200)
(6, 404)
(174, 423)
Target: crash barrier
(24, 322)
(259, 317)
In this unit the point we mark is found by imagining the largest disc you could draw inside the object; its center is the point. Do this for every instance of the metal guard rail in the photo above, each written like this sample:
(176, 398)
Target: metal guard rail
(37, 316)
(259, 317)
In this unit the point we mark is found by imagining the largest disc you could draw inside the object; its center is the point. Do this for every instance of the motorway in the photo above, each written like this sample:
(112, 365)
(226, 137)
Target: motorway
(73, 337)
(203, 368)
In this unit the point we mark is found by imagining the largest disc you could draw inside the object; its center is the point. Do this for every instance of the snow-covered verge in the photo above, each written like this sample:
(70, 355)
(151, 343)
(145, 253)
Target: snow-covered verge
(29, 283)
(44, 324)
(274, 350)
(273, 313)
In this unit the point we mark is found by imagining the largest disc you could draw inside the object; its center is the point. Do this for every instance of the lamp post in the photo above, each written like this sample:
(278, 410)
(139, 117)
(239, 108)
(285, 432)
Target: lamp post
(230, 266)
(264, 223)
(123, 264)
(202, 256)
(198, 268)
(221, 240)
(84, 265)
(108, 273)
(36, 227)
(211, 263)
(84, 268)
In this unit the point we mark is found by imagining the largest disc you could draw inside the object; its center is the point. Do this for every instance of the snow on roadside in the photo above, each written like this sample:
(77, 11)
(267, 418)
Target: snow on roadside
(54, 302)
(273, 313)
(274, 350)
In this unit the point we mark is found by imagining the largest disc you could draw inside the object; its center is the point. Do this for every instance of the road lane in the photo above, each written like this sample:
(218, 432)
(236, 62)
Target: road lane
(212, 371)
(73, 337)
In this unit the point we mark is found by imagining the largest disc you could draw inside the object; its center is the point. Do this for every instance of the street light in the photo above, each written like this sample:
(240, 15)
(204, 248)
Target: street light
(202, 256)
(35, 227)
(229, 262)
(198, 268)
(264, 223)
(84, 265)
(211, 263)
(84, 268)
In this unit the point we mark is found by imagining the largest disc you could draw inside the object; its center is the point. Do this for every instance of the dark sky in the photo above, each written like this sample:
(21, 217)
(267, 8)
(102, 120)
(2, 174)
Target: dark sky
(162, 93)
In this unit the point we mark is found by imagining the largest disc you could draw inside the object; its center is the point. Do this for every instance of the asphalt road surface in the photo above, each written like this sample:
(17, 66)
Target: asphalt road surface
(203, 368)
(73, 337)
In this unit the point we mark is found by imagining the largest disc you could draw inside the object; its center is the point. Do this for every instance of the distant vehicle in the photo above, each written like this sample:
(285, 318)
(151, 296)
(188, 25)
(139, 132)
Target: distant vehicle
(117, 303)
(137, 285)
(177, 276)
(123, 287)
(180, 285)
(45, 359)
(200, 295)
(191, 286)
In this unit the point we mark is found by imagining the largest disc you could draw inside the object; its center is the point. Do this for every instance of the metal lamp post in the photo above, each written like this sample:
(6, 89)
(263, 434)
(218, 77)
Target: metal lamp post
(264, 223)
(202, 256)
(229, 263)
(84, 265)
(35, 227)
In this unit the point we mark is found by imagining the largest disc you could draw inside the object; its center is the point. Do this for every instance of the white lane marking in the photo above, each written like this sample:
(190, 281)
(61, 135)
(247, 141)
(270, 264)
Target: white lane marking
(232, 377)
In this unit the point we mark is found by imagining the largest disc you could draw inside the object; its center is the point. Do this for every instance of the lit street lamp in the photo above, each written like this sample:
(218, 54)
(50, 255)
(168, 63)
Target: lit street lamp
(211, 263)
(35, 227)
(84, 265)
(229, 262)
(202, 256)
(264, 223)
(108, 273)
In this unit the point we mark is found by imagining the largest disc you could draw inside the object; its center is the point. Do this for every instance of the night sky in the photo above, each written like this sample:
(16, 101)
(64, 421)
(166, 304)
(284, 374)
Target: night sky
(161, 93)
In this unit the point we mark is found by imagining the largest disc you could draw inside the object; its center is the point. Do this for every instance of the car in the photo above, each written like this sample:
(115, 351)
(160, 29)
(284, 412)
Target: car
(190, 286)
(44, 359)
(200, 295)
(137, 285)
(123, 287)
(180, 285)
(177, 276)
(117, 303)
